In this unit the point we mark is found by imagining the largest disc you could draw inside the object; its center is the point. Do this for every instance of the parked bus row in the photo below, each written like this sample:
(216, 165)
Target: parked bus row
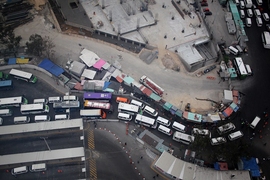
(33, 168)
(39, 118)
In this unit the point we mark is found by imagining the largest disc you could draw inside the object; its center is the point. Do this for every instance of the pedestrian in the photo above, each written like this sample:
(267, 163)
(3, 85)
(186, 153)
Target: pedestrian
(138, 162)
(154, 177)
(212, 1)
(174, 38)
(125, 143)
(157, 175)
(166, 47)
(264, 144)
(141, 157)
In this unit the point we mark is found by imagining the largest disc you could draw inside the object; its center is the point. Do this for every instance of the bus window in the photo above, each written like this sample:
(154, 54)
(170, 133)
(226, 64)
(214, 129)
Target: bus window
(21, 119)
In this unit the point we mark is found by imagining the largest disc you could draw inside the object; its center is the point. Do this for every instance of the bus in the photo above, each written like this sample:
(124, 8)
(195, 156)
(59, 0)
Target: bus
(6, 85)
(98, 105)
(18, 74)
(163, 121)
(92, 114)
(165, 130)
(266, 39)
(240, 67)
(13, 101)
(202, 132)
(128, 108)
(183, 138)
(146, 121)
(34, 108)
(248, 3)
(104, 97)
(65, 105)
(226, 128)
(70, 98)
(5, 112)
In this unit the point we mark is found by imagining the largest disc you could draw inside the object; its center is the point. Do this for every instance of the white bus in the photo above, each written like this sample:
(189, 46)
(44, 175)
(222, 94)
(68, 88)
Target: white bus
(34, 108)
(128, 108)
(218, 141)
(18, 74)
(5, 112)
(235, 135)
(240, 66)
(146, 121)
(19, 170)
(21, 119)
(226, 128)
(248, 3)
(13, 101)
(41, 118)
(165, 130)
(61, 117)
(266, 39)
(38, 167)
(203, 132)
(163, 121)
(255, 122)
(42, 101)
(259, 2)
(92, 114)
(183, 138)
(124, 116)
(179, 127)
(55, 99)
(150, 111)
(137, 103)
(70, 98)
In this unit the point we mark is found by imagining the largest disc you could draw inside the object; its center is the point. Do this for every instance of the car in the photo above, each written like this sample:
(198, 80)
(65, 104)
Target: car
(204, 4)
(206, 9)
(208, 13)
(267, 27)
(206, 71)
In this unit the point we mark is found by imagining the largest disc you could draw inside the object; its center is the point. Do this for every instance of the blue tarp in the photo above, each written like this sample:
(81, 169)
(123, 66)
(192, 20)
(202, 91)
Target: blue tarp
(252, 166)
(106, 84)
(11, 61)
(51, 67)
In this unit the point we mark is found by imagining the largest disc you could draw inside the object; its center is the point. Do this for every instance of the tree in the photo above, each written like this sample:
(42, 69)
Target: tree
(40, 46)
(9, 40)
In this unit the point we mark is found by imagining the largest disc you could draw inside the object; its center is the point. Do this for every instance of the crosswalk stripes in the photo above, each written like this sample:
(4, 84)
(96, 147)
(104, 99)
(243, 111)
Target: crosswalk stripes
(93, 170)
(91, 140)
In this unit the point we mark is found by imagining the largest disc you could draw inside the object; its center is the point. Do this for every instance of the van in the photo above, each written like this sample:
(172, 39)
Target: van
(19, 170)
(237, 2)
(70, 98)
(179, 127)
(248, 70)
(259, 2)
(249, 13)
(218, 140)
(163, 121)
(40, 118)
(233, 50)
(248, 22)
(137, 103)
(240, 50)
(40, 101)
(61, 117)
(124, 116)
(259, 21)
(150, 111)
(55, 99)
(122, 99)
(21, 119)
(265, 16)
(255, 122)
(38, 167)
(242, 4)
(235, 135)
(202, 132)
(165, 130)
(257, 12)
(242, 13)
(225, 128)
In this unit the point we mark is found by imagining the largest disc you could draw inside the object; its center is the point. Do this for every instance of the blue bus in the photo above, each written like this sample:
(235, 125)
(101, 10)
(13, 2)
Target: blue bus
(6, 85)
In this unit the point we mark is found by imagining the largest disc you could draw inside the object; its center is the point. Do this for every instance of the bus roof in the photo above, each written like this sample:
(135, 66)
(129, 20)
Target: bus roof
(89, 95)
(145, 119)
(20, 73)
(66, 104)
(241, 66)
(90, 112)
(27, 107)
(5, 83)
(266, 37)
(9, 100)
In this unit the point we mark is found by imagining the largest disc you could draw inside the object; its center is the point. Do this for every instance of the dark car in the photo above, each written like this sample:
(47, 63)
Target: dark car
(204, 4)
(208, 13)
(267, 27)
(206, 71)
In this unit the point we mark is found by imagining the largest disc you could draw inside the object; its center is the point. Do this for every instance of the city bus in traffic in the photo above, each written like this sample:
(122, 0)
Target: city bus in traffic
(26, 76)
(5, 112)
(34, 108)
(98, 105)
(146, 121)
(93, 114)
(13, 101)
(183, 138)
(66, 105)
(128, 108)
(6, 85)
(104, 97)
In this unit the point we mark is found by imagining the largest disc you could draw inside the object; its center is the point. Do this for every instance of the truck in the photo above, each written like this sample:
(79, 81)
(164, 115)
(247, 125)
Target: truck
(151, 85)
(98, 105)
